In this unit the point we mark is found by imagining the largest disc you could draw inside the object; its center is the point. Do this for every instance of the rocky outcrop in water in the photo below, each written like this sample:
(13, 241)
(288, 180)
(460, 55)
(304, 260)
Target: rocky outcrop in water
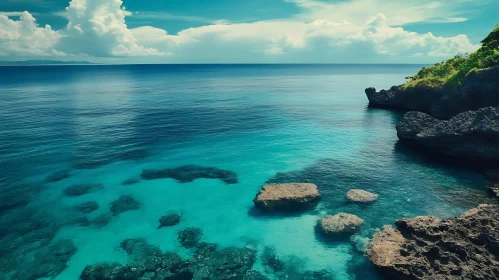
(124, 204)
(361, 196)
(287, 197)
(189, 173)
(82, 189)
(466, 247)
(472, 135)
(341, 223)
(480, 89)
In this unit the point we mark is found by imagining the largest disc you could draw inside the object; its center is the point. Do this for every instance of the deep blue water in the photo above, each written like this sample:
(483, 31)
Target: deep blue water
(266, 123)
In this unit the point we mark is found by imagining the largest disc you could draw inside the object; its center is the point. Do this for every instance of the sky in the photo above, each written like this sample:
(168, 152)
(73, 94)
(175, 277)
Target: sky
(243, 31)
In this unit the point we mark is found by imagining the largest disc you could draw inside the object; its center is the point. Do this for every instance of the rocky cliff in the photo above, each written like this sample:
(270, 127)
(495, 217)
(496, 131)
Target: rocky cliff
(472, 135)
(480, 89)
(466, 247)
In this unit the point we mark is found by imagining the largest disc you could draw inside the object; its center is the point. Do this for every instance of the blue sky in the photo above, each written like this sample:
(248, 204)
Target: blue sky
(243, 31)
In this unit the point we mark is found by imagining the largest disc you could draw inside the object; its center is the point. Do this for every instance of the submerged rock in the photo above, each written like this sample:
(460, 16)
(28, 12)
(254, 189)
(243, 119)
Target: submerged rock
(271, 260)
(131, 181)
(101, 220)
(466, 247)
(287, 197)
(82, 189)
(124, 204)
(169, 220)
(87, 207)
(479, 90)
(472, 135)
(148, 262)
(189, 173)
(341, 223)
(190, 237)
(58, 176)
(361, 196)
(46, 262)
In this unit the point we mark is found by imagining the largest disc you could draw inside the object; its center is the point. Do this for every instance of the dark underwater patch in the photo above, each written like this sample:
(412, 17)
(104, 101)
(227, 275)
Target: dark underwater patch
(189, 173)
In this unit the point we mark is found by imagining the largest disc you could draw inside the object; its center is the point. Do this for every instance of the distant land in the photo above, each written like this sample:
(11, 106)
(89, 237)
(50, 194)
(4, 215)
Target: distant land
(41, 62)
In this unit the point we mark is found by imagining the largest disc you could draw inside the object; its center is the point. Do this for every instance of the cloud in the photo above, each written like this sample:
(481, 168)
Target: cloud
(97, 28)
(324, 32)
(25, 37)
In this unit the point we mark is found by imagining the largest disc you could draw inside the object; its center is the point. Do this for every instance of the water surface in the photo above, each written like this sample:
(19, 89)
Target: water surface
(267, 123)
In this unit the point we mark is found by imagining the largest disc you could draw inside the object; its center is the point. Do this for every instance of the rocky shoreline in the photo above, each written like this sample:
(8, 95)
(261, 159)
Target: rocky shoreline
(466, 247)
(479, 90)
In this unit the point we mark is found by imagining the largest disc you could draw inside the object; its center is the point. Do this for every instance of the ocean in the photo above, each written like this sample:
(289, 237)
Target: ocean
(105, 124)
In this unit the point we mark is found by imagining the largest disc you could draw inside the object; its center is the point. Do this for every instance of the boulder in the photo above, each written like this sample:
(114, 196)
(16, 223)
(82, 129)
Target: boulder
(189, 173)
(87, 207)
(190, 237)
(58, 176)
(169, 220)
(338, 224)
(287, 197)
(472, 135)
(82, 189)
(361, 196)
(479, 90)
(124, 204)
(465, 247)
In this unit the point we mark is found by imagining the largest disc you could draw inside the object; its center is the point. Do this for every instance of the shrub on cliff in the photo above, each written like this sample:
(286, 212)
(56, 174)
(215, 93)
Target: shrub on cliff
(453, 71)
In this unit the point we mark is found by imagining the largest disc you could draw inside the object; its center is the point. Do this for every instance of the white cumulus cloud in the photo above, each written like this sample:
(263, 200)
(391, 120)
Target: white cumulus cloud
(324, 32)
(26, 37)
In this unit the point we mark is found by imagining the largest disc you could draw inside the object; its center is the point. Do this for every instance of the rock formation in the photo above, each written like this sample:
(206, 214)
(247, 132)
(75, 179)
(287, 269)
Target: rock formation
(287, 197)
(466, 247)
(361, 196)
(479, 90)
(131, 181)
(472, 135)
(341, 223)
(189, 173)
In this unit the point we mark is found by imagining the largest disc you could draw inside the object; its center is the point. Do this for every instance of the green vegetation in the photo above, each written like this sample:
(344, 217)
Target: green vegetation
(453, 71)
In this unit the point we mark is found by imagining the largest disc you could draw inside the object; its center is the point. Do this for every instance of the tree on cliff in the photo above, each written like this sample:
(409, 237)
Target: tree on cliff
(492, 40)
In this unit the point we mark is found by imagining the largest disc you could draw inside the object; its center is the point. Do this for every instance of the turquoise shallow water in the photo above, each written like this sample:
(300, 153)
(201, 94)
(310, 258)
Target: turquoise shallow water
(274, 123)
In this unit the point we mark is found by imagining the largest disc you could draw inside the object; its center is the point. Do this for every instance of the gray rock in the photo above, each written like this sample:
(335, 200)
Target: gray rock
(428, 248)
(341, 223)
(472, 135)
(124, 204)
(479, 90)
(82, 189)
(287, 197)
(361, 196)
